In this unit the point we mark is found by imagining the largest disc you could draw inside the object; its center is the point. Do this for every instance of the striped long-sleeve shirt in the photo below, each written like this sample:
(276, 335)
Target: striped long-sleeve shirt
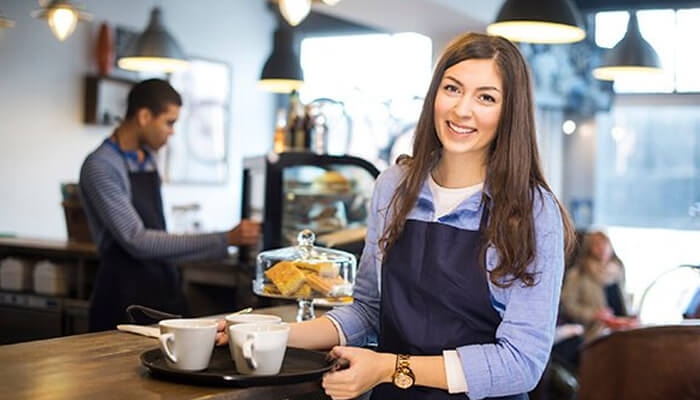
(106, 196)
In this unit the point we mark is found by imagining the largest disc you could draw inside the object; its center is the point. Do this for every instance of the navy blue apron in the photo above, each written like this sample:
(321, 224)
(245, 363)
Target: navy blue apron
(123, 280)
(435, 296)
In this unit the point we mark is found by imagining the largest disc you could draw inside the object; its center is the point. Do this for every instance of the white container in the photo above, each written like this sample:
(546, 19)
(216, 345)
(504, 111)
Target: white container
(50, 278)
(15, 274)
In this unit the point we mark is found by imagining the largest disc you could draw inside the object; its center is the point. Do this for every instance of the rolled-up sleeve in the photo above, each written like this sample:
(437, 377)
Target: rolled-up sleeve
(515, 362)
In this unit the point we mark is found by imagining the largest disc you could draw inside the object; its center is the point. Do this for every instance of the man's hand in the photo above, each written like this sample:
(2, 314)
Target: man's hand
(245, 234)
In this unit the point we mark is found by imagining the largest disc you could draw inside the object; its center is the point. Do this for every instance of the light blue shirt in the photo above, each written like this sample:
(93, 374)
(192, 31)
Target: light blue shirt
(514, 362)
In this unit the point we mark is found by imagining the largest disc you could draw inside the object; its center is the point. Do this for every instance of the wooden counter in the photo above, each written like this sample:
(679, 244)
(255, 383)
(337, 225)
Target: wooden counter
(107, 365)
(211, 287)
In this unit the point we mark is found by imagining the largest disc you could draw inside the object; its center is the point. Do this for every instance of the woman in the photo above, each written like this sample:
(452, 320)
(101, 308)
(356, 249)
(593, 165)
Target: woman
(458, 283)
(593, 288)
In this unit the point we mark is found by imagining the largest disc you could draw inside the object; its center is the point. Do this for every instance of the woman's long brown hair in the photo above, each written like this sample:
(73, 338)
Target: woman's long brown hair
(513, 172)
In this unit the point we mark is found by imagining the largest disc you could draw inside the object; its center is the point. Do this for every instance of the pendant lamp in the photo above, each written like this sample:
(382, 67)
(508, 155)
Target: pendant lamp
(631, 57)
(282, 72)
(154, 50)
(62, 16)
(539, 21)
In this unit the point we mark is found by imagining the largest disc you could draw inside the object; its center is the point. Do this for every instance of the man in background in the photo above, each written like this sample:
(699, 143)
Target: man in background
(121, 193)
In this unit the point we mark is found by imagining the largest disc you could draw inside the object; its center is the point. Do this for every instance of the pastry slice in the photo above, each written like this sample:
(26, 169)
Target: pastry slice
(286, 277)
(334, 287)
(325, 269)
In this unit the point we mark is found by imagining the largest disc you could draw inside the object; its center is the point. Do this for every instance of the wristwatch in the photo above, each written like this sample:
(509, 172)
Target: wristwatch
(403, 375)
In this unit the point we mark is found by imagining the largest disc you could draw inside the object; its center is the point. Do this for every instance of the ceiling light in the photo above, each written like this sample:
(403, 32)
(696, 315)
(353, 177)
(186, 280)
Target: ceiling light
(154, 49)
(282, 72)
(62, 16)
(6, 22)
(294, 11)
(631, 57)
(539, 21)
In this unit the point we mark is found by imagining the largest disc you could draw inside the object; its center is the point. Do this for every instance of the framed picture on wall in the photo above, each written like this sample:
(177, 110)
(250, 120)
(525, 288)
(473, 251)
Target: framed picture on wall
(198, 151)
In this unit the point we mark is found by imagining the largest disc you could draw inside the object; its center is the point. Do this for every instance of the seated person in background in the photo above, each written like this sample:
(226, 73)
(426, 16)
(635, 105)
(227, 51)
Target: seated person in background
(593, 288)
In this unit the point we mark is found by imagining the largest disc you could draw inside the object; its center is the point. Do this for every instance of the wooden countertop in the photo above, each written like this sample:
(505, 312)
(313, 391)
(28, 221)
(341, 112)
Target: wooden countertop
(47, 246)
(107, 365)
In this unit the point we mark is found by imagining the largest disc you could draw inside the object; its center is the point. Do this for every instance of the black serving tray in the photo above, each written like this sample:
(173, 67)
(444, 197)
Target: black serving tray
(299, 366)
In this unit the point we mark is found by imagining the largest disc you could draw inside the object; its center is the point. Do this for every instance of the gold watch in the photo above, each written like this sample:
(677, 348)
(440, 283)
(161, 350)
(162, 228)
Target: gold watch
(403, 377)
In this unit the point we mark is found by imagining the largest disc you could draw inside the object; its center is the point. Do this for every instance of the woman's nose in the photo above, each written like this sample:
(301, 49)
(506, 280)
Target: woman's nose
(464, 107)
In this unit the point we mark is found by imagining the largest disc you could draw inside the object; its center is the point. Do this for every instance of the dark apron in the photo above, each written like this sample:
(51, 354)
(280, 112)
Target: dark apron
(435, 296)
(123, 280)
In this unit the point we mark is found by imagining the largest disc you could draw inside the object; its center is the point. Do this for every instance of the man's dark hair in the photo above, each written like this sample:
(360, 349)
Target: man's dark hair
(153, 94)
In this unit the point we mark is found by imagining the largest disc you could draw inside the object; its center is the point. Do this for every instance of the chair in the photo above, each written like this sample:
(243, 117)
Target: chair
(659, 362)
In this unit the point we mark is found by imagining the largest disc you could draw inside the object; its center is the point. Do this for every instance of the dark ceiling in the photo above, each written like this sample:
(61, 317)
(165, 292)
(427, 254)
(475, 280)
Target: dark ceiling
(601, 5)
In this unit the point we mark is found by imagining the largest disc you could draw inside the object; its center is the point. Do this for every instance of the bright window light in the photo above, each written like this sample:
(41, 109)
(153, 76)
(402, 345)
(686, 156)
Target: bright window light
(380, 80)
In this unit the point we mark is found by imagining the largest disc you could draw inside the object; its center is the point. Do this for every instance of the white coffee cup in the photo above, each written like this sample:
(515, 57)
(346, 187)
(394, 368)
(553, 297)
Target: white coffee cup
(233, 319)
(187, 343)
(258, 348)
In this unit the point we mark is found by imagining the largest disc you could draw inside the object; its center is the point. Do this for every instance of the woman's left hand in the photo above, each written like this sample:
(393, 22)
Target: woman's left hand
(221, 334)
(367, 369)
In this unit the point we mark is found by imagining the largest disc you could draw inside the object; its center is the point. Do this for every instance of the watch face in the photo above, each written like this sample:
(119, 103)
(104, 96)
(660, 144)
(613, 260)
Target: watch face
(403, 380)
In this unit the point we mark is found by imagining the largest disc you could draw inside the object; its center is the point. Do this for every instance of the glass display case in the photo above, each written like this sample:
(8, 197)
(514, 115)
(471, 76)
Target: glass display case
(290, 192)
(305, 273)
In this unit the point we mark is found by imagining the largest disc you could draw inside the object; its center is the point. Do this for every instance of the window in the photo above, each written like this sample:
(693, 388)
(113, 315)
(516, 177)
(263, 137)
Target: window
(379, 79)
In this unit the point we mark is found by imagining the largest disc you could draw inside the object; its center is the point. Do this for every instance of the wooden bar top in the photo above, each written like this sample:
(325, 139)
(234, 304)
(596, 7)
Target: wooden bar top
(107, 365)
(48, 246)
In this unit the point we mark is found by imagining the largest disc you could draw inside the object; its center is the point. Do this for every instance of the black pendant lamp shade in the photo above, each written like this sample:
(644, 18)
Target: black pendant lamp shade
(154, 49)
(282, 72)
(539, 21)
(631, 56)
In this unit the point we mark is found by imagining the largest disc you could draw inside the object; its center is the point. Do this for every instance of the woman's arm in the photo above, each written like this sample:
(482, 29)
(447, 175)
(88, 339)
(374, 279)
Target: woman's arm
(523, 339)
(317, 334)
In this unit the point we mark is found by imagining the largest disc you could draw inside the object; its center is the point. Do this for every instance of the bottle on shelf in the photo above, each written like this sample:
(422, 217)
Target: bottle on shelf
(296, 123)
(279, 141)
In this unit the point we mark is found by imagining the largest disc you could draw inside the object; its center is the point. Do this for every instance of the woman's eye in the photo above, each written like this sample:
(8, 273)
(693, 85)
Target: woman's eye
(451, 88)
(487, 98)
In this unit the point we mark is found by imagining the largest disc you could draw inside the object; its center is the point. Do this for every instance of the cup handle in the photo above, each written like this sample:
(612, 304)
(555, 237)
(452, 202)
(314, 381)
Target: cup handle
(165, 340)
(248, 347)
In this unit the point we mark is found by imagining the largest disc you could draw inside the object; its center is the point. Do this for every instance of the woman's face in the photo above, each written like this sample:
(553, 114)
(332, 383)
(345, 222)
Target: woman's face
(601, 248)
(468, 108)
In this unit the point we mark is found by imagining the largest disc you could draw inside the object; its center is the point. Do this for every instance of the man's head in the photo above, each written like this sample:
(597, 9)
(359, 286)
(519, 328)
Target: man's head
(153, 106)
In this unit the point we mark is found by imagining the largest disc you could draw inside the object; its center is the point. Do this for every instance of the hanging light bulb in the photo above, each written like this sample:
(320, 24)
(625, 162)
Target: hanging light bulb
(5, 22)
(62, 16)
(330, 2)
(294, 11)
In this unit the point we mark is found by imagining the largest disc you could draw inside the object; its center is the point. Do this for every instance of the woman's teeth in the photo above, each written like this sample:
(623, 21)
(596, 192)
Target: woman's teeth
(460, 129)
